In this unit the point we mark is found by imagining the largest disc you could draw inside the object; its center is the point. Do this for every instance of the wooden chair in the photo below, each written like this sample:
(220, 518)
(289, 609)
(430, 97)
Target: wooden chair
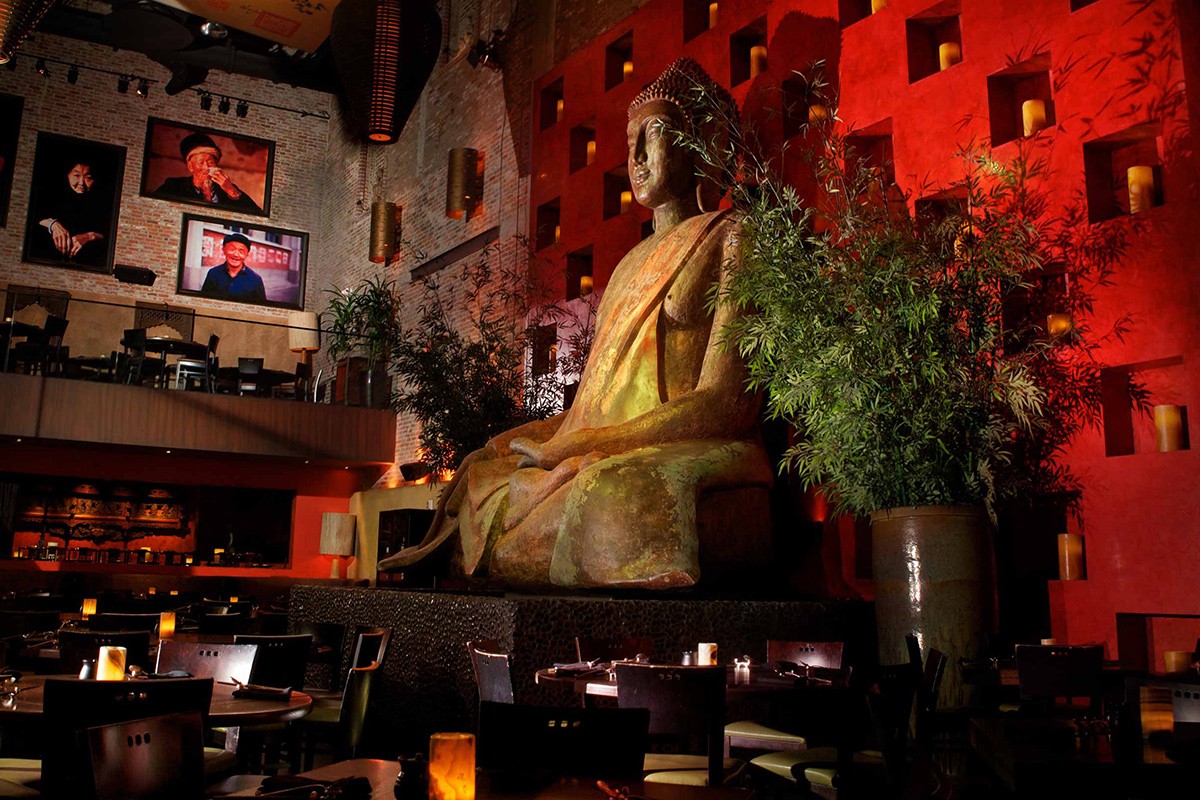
(123, 622)
(687, 709)
(810, 654)
(76, 646)
(280, 660)
(588, 648)
(493, 672)
(221, 662)
(147, 759)
(70, 707)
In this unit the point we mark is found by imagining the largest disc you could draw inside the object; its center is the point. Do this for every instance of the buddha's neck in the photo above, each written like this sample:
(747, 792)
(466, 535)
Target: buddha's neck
(673, 212)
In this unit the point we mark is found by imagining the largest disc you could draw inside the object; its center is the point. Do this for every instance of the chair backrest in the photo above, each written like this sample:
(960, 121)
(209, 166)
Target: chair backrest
(588, 648)
(123, 622)
(221, 662)
(135, 340)
(250, 366)
(931, 681)
(180, 319)
(687, 707)
(75, 646)
(539, 741)
(54, 328)
(493, 672)
(17, 297)
(1047, 672)
(213, 341)
(147, 759)
(356, 697)
(280, 660)
(71, 706)
(370, 645)
(814, 654)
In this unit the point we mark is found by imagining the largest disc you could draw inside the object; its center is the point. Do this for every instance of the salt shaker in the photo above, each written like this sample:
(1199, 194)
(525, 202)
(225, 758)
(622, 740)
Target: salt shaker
(88, 671)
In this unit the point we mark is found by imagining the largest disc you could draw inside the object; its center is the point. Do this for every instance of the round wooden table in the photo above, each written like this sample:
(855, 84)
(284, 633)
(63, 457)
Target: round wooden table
(225, 710)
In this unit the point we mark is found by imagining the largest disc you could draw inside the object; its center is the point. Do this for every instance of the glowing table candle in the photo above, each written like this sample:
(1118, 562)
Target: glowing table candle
(110, 666)
(89, 607)
(1070, 557)
(166, 625)
(707, 654)
(1141, 188)
(1168, 428)
(758, 60)
(949, 54)
(452, 766)
(174, 592)
(233, 598)
(152, 590)
(1033, 116)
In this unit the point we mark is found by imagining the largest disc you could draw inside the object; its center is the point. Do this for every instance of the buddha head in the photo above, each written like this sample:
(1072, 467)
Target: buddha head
(661, 169)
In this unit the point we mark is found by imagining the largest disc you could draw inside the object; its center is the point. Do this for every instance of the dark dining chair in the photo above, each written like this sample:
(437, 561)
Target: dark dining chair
(370, 645)
(76, 646)
(493, 671)
(687, 712)
(43, 352)
(280, 660)
(203, 371)
(133, 366)
(589, 648)
(148, 759)
(221, 662)
(339, 723)
(248, 371)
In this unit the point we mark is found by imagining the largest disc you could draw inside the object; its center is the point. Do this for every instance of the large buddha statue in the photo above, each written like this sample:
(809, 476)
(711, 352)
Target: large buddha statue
(661, 447)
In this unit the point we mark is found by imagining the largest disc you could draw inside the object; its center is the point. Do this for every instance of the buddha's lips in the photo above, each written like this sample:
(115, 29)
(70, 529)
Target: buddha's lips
(640, 176)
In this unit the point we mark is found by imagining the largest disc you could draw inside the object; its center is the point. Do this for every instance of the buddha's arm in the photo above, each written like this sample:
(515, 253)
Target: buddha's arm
(537, 431)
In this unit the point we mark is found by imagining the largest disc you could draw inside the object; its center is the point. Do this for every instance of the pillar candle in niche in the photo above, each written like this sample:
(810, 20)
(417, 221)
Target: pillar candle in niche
(1071, 566)
(878, 5)
(1058, 324)
(626, 201)
(452, 766)
(712, 15)
(1141, 188)
(817, 112)
(585, 285)
(110, 666)
(758, 60)
(1177, 660)
(949, 54)
(1033, 116)
(1168, 428)
(558, 110)
(166, 625)
(591, 151)
(626, 69)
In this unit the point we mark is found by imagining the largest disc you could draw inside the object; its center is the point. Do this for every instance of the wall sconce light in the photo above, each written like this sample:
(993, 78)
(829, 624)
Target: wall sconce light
(337, 539)
(462, 179)
(385, 230)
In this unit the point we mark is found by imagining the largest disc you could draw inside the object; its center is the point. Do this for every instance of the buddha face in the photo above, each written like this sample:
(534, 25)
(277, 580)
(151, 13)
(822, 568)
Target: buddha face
(659, 169)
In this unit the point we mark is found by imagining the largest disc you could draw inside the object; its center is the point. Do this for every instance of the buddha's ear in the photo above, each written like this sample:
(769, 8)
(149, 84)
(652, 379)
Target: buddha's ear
(708, 193)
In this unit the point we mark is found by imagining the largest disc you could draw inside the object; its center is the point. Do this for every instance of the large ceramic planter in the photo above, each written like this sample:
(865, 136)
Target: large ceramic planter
(933, 577)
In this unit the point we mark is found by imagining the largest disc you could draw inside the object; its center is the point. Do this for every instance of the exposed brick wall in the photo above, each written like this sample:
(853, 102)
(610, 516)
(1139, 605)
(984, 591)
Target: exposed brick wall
(149, 229)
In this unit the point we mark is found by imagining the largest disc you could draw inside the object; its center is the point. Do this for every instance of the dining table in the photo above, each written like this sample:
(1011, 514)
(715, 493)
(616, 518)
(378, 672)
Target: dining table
(169, 345)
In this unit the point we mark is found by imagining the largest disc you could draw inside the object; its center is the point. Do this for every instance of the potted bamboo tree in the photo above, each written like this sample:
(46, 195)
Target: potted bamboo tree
(361, 323)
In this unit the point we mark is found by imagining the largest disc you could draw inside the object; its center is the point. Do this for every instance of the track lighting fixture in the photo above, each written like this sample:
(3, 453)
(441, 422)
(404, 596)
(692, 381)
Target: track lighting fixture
(143, 88)
(206, 102)
(73, 75)
(243, 108)
(223, 106)
(42, 69)
(123, 84)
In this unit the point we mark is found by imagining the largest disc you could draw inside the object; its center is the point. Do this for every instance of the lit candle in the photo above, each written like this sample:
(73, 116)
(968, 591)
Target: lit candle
(949, 54)
(218, 553)
(452, 766)
(1070, 557)
(166, 625)
(741, 670)
(111, 664)
(89, 607)
(758, 60)
(817, 112)
(233, 598)
(707, 654)
(1177, 660)
(152, 590)
(1141, 188)
(626, 69)
(1049, 641)
(174, 592)
(558, 110)
(712, 15)
(188, 561)
(1033, 116)
(591, 151)
(1058, 324)
(626, 201)
(557, 233)
(878, 5)
(585, 285)
(1168, 428)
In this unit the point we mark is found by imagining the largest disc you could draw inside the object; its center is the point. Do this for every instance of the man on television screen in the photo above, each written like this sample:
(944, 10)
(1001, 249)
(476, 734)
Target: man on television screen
(233, 280)
(208, 183)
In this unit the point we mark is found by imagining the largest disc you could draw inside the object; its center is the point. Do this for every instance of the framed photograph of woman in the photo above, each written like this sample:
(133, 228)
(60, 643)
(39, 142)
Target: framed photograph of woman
(243, 262)
(205, 167)
(10, 130)
(74, 203)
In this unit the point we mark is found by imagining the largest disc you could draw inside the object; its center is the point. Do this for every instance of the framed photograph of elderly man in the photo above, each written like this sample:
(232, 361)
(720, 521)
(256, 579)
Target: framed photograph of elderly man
(242, 262)
(74, 203)
(219, 170)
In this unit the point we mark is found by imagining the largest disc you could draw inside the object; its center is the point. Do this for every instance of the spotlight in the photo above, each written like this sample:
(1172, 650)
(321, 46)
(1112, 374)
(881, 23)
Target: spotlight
(223, 106)
(73, 75)
(243, 108)
(214, 30)
(42, 69)
(123, 85)
(206, 102)
(143, 88)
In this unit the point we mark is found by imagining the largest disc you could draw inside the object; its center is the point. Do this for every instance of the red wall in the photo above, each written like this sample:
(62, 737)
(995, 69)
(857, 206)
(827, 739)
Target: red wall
(1112, 64)
(318, 489)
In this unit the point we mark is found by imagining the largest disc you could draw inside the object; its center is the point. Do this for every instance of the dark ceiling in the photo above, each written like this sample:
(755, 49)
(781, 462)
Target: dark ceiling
(174, 39)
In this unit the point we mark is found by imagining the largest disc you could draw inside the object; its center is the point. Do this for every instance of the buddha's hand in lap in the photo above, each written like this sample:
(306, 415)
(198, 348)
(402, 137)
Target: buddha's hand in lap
(535, 454)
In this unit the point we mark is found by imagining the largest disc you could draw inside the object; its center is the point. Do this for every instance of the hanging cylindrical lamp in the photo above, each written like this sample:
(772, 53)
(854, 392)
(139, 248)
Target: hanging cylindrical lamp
(385, 227)
(384, 52)
(17, 20)
(461, 182)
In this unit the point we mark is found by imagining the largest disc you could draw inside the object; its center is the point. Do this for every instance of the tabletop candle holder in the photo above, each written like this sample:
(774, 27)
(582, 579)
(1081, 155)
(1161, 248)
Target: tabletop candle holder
(452, 766)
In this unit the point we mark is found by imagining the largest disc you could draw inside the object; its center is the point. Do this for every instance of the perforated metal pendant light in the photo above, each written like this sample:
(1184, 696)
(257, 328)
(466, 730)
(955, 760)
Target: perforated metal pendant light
(384, 51)
(17, 20)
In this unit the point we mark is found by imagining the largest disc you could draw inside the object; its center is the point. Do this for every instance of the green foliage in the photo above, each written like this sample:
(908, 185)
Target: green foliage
(908, 351)
(362, 319)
